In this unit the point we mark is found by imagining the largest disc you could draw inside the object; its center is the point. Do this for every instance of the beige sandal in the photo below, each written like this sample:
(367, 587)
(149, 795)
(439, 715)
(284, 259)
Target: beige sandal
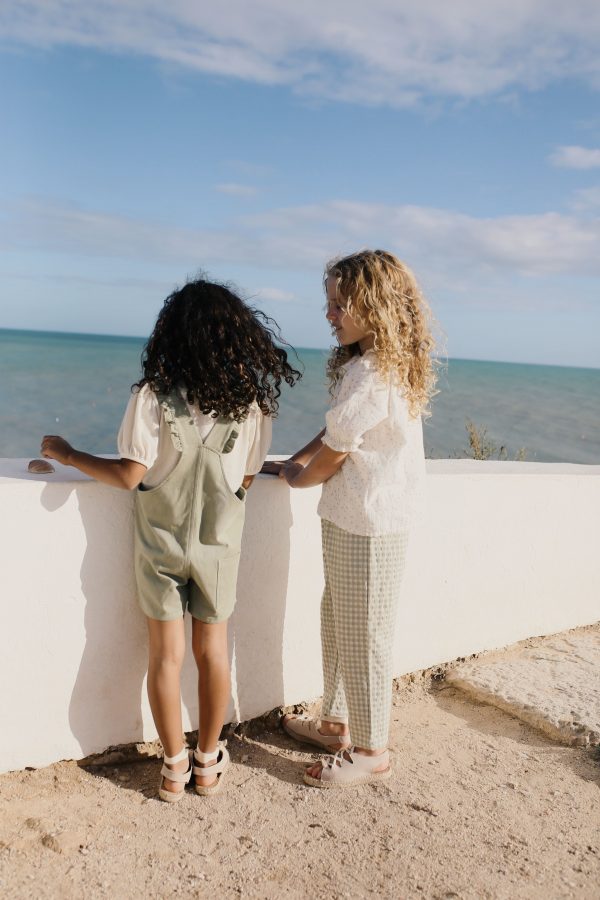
(305, 730)
(347, 768)
(221, 757)
(177, 777)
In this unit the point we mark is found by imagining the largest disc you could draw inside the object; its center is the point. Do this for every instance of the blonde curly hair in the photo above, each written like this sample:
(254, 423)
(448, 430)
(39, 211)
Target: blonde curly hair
(382, 296)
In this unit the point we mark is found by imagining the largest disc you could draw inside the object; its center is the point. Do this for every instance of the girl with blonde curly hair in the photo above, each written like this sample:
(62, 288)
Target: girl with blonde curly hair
(370, 460)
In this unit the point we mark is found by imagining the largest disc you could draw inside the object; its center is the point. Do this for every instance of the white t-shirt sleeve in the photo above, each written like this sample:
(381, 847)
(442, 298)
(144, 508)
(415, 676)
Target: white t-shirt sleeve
(139, 431)
(362, 403)
(260, 442)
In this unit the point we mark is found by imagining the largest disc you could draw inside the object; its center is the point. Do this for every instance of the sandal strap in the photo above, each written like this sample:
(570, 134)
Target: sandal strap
(183, 754)
(179, 777)
(339, 758)
(306, 728)
(220, 764)
(346, 765)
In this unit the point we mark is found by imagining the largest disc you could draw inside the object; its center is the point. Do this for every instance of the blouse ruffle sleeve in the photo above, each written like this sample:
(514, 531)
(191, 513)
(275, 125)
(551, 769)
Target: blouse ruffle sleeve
(140, 428)
(362, 402)
(261, 442)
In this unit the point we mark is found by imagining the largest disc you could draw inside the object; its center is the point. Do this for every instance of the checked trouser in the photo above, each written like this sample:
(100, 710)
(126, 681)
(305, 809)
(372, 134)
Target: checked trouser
(362, 586)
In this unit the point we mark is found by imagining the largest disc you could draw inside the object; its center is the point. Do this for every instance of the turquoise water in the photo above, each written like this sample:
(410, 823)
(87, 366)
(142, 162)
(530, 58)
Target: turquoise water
(553, 412)
(78, 386)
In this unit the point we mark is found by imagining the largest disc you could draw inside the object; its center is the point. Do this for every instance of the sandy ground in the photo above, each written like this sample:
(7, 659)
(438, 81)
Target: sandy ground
(479, 806)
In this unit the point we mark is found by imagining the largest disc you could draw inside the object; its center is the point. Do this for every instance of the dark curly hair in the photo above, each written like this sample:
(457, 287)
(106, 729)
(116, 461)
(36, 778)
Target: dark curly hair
(219, 349)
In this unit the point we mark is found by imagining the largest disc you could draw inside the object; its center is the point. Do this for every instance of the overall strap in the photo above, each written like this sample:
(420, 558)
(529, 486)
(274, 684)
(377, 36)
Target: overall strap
(178, 420)
(223, 435)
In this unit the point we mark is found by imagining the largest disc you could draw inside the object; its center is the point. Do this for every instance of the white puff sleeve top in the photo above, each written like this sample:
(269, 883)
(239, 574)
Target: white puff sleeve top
(378, 486)
(140, 430)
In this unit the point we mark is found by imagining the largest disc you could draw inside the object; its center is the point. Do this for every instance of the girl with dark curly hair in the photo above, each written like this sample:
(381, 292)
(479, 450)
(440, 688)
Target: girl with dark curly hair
(196, 431)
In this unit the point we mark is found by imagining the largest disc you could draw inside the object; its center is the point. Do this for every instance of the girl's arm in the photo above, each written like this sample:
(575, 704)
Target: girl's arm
(302, 456)
(323, 464)
(122, 473)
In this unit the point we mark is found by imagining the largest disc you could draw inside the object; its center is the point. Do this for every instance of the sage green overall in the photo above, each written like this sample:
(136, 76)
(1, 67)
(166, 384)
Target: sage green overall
(189, 528)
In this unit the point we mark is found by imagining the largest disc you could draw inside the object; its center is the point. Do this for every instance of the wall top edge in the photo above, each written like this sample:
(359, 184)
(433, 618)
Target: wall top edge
(508, 467)
(15, 470)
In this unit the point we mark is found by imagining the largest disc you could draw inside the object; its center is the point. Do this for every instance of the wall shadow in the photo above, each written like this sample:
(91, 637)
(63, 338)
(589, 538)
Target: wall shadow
(487, 719)
(105, 707)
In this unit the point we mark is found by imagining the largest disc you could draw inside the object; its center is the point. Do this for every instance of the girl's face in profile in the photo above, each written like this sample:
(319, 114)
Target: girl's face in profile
(346, 330)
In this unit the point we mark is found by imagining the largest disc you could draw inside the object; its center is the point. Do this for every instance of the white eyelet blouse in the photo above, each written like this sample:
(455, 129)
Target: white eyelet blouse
(378, 487)
(139, 440)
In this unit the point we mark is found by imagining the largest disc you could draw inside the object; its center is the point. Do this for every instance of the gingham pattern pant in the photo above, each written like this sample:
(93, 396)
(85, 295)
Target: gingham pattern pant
(362, 586)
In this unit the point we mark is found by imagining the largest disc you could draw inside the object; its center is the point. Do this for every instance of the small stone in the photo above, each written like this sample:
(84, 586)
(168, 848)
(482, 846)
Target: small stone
(40, 467)
(63, 841)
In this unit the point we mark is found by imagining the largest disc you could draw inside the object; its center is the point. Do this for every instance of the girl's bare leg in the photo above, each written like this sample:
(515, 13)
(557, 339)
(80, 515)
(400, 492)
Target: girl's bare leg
(334, 728)
(209, 643)
(166, 652)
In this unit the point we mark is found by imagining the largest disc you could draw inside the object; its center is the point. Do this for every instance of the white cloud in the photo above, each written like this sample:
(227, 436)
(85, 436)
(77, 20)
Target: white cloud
(275, 295)
(236, 190)
(443, 241)
(84, 281)
(383, 52)
(572, 157)
(587, 199)
(442, 245)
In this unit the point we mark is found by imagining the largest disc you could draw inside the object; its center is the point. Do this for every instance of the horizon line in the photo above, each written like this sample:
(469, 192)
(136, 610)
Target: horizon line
(135, 337)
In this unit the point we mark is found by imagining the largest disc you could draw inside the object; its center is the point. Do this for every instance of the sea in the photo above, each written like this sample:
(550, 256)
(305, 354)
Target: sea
(77, 385)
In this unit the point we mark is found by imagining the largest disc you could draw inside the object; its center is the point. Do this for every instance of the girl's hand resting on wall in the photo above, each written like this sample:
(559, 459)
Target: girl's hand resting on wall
(289, 470)
(121, 473)
(55, 447)
(313, 470)
(270, 467)
(284, 469)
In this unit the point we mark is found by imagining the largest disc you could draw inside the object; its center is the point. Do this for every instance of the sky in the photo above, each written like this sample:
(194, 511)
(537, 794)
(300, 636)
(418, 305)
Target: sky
(143, 142)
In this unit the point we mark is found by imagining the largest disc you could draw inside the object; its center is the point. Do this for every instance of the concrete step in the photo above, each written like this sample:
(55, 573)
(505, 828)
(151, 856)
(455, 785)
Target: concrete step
(553, 686)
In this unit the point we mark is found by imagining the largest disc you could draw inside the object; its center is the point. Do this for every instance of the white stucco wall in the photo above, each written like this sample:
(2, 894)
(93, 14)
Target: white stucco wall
(504, 551)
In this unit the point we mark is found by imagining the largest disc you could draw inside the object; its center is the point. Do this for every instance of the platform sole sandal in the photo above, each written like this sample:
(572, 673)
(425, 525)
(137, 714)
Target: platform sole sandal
(305, 730)
(178, 777)
(347, 769)
(218, 769)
